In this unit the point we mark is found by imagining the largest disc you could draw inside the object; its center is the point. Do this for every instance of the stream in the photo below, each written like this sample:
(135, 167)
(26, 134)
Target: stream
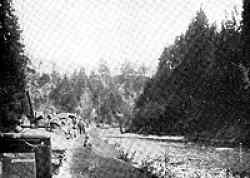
(182, 158)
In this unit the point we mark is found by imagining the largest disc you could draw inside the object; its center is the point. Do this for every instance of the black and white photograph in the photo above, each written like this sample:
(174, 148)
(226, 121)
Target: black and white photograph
(124, 88)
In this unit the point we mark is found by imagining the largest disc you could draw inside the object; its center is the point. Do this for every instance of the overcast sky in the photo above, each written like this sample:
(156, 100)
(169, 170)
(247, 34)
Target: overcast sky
(74, 33)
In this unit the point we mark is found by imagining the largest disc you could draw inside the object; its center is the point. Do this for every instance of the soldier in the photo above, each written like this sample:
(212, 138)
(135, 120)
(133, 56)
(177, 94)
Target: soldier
(81, 126)
(39, 120)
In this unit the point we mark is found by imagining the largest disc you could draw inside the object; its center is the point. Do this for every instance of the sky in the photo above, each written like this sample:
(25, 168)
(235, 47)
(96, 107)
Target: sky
(81, 33)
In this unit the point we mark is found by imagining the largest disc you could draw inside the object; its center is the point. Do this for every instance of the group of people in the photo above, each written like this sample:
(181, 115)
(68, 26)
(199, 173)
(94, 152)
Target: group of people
(76, 125)
(69, 123)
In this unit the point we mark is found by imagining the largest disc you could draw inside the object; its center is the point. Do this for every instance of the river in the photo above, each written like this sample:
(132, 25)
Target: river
(183, 159)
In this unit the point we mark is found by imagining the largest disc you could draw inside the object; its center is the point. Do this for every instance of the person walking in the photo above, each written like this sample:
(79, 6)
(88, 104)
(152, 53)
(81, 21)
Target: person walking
(81, 126)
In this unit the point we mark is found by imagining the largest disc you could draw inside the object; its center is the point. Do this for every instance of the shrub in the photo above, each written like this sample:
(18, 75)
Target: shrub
(158, 167)
(123, 155)
(126, 156)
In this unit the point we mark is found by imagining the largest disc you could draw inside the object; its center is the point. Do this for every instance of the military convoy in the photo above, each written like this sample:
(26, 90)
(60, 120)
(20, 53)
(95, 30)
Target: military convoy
(69, 123)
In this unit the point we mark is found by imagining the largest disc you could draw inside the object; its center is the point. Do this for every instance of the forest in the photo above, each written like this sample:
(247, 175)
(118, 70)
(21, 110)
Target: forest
(99, 97)
(201, 87)
(136, 123)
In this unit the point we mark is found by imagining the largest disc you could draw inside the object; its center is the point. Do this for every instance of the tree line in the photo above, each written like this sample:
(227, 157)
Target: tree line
(99, 96)
(109, 98)
(201, 87)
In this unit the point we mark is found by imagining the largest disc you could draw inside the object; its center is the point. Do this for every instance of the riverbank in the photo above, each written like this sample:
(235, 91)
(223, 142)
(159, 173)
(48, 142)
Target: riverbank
(184, 158)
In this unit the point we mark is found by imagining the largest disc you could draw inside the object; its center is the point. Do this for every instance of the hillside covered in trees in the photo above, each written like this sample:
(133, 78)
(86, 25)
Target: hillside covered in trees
(99, 97)
(202, 87)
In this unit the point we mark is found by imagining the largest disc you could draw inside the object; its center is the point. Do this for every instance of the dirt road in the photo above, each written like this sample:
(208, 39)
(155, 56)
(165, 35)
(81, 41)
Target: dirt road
(97, 161)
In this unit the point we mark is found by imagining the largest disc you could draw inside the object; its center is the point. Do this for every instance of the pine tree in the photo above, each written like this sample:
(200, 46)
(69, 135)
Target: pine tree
(246, 32)
(13, 64)
(246, 55)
